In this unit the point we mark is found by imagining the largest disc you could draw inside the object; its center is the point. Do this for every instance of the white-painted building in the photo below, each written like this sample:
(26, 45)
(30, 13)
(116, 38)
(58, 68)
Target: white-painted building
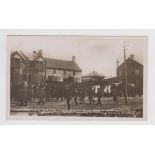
(59, 70)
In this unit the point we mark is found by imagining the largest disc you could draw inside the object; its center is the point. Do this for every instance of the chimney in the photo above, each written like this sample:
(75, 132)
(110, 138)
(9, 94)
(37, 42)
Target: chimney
(73, 58)
(132, 56)
(34, 52)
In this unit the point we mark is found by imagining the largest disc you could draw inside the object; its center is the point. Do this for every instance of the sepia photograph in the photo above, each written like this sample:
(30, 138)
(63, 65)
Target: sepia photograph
(72, 76)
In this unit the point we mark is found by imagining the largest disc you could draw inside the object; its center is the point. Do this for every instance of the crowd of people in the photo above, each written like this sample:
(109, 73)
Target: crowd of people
(23, 92)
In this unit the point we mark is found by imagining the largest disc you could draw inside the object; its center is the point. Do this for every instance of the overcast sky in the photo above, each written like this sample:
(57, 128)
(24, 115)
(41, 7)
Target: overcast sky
(92, 53)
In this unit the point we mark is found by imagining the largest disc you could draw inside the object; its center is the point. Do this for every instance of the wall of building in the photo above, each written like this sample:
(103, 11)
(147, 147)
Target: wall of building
(134, 72)
(26, 70)
(134, 75)
(36, 71)
(62, 74)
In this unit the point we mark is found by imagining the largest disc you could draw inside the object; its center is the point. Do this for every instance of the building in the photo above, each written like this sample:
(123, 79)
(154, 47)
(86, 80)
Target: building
(134, 75)
(134, 71)
(19, 64)
(30, 69)
(93, 77)
(37, 69)
(60, 70)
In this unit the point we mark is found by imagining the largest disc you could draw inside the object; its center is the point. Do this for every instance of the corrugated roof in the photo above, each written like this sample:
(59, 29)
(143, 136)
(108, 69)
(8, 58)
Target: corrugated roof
(62, 64)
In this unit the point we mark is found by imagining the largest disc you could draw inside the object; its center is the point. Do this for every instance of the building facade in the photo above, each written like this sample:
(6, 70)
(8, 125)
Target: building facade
(60, 70)
(134, 77)
(30, 69)
(37, 69)
(93, 77)
(19, 64)
(134, 74)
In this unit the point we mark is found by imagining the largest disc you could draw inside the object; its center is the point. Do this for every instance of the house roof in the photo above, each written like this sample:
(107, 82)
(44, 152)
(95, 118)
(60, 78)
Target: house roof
(113, 79)
(62, 64)
(23, 55)
(93, 74)
(50, 63)
(20, 54)
(35, 57)
(130, 60)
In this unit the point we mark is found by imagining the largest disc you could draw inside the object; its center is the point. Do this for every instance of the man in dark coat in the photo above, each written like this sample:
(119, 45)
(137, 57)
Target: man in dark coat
(99, 95)
(47, 92)
(61, 91)
(115, 93)
(76, 94)
(29, 93)
(23, 94)
(41, 94)
(81, 93)
(36, 91)
(19, 92)
(90, 95)
(68, 95)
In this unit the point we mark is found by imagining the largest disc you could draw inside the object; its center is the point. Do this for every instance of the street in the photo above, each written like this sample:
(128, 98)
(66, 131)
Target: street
(57, 108)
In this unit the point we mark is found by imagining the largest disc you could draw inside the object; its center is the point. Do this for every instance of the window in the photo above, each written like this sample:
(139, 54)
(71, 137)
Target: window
(137, 72)
(24, 77)
(40, 66)
(24, 65)
(35, 65)
(65, 73)
(54, 71)
(120, 73)
(17, 63)
(31, 64)
(41, 78)
(12, 64)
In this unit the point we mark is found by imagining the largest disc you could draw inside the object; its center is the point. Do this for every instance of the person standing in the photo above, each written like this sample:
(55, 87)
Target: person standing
(99, 95)
(114, 92)
(22, 94)
(96, 87)
(81, 92)
(68, 95)
(25, 92)
(41, 94)
(47, 92)
(91, 95)
(38, 91)
(29, 93)
(75, 91)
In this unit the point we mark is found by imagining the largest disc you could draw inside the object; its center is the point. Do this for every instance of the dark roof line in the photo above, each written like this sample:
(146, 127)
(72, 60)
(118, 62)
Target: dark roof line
(38, 57)
(62, 64)
(52, 63)
(20, 55)
(57, 59)
(129, 59)
(23, 55)
(135, 61)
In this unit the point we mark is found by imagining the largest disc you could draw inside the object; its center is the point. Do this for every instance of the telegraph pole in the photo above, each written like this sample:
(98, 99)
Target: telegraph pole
(125, 75)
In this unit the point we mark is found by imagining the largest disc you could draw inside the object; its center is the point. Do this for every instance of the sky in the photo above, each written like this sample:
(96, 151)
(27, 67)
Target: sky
(93, 53)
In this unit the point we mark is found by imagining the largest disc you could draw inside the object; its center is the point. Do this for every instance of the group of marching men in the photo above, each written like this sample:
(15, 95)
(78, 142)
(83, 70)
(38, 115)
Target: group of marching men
(22, 93)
